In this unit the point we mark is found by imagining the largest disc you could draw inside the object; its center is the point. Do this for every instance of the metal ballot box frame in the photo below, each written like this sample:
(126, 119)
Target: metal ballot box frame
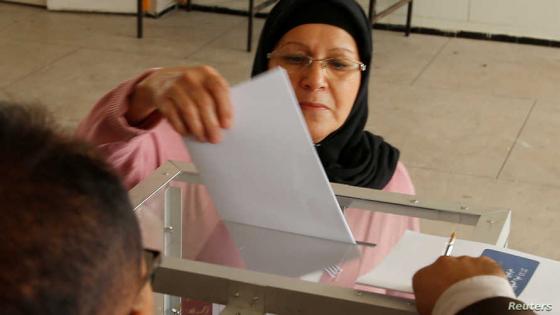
(248, 292)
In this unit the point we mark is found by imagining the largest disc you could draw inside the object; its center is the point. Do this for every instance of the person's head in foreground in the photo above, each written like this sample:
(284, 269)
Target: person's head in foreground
(70, 243)
(326, 48)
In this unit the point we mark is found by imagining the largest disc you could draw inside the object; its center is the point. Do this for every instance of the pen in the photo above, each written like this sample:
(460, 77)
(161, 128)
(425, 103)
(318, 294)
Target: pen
(450, 244)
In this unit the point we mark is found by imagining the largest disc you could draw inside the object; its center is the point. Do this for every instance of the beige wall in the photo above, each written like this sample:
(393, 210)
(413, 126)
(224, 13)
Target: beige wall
(116, 6)
(530, 18)
(35, 2)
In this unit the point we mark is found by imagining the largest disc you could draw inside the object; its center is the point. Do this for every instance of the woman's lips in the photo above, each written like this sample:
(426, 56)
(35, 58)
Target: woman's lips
(315, 106)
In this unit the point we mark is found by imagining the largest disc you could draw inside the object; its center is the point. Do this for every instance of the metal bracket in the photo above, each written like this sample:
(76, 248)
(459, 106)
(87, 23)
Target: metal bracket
(493, 226)
(173, 225)
(244, 300)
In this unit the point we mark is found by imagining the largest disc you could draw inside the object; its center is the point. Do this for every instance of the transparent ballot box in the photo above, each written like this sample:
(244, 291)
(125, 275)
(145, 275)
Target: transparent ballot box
(224, 267)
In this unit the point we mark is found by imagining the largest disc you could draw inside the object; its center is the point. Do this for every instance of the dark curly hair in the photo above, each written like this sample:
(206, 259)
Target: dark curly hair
(69, 240)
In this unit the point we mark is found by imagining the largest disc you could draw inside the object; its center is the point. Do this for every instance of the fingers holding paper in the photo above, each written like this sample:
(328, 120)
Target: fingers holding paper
(195, 101)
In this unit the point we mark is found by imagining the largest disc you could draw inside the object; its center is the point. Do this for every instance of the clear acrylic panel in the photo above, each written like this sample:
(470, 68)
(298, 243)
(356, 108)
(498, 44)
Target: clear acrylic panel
(178, 218)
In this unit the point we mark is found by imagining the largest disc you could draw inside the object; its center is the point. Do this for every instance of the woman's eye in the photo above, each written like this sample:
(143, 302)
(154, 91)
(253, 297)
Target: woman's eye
(295, 59)
(339, 64)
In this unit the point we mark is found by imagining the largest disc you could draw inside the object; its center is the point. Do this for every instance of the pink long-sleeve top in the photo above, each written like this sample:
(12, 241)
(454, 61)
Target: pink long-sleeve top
(135, 153)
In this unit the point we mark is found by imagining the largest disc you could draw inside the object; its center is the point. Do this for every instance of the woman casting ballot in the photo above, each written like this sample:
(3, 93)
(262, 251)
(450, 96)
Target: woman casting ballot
(326, 48)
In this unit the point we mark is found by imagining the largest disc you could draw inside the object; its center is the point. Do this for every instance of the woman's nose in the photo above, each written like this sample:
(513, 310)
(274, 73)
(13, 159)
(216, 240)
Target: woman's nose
(314, 76)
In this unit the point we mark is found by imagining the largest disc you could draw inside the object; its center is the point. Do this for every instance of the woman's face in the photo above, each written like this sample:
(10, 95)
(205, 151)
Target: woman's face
(325, 98)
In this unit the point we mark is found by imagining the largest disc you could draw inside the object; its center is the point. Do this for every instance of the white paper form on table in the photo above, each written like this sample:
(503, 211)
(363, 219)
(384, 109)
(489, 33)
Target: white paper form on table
(266, 172)
(416, 250)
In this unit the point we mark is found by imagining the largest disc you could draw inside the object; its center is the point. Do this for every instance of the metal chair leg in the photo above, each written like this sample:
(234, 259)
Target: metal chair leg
(139, 17)
(250, 27)
(409, 18)
(371, 12)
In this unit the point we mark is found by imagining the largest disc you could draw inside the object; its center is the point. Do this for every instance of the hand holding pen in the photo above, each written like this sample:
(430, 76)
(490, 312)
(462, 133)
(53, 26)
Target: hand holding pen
(450, 245)
(430, 282)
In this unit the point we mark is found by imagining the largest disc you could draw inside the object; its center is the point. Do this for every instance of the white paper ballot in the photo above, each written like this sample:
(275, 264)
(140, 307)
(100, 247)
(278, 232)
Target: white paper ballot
(270, 251)
(416, 250)
(266, 172)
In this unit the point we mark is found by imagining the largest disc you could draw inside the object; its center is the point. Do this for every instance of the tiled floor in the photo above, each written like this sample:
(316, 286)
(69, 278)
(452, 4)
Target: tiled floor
(477, 122)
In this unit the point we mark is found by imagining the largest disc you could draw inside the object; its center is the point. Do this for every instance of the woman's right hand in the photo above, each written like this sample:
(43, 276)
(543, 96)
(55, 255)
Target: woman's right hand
(195, 101)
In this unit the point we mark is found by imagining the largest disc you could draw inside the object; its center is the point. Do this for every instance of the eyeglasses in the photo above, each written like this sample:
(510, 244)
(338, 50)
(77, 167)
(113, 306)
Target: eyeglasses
(152, 259)
(336, 67)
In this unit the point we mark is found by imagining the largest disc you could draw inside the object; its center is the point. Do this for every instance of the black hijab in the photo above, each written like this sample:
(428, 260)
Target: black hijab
(350, 155)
